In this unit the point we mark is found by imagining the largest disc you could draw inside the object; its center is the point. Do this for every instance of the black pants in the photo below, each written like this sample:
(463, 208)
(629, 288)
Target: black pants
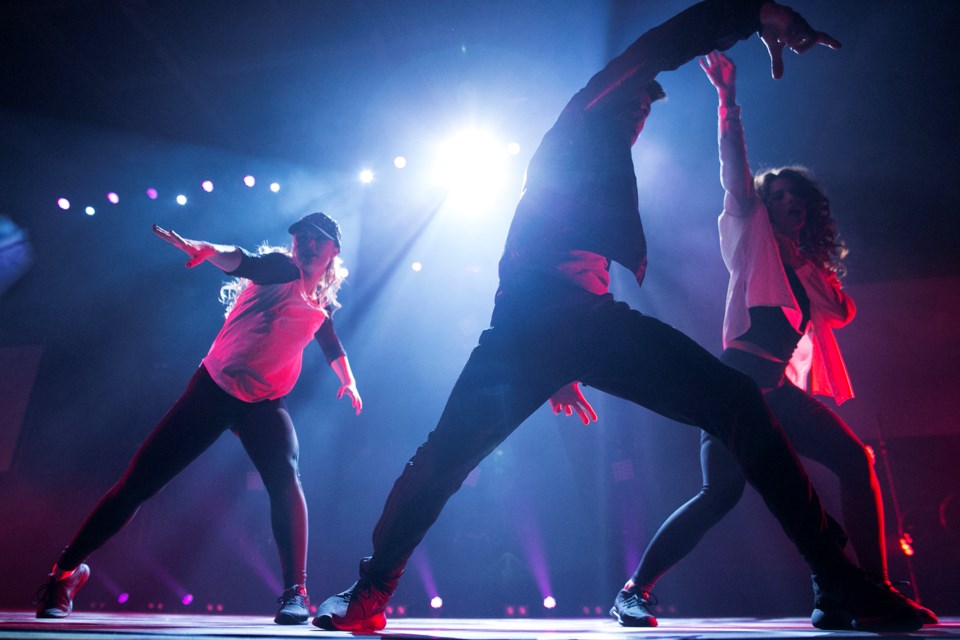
(198, 418)
(535, 347)
(818, 434)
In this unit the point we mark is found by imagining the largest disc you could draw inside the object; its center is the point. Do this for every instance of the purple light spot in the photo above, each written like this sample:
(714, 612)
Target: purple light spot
(123, 597)
(113, 198)
(187, 599)
(152, 193)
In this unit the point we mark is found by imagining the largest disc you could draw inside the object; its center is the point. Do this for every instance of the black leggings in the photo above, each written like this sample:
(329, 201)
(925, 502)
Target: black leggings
(198, 418)
(818, 434)
(533, 350)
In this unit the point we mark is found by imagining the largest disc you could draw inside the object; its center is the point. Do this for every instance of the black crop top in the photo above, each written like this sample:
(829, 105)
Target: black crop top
(769, 327)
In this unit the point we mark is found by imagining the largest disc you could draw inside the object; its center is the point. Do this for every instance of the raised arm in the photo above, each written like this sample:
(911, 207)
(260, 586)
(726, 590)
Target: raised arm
(735, 175)
(706, 26)
(225, 257)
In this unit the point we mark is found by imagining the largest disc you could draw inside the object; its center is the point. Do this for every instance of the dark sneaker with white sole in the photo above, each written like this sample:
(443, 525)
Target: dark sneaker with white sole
(294, 606)
(633, 609)
(55, 599)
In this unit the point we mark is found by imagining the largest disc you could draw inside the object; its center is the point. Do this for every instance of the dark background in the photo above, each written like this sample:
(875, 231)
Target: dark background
(99, 334)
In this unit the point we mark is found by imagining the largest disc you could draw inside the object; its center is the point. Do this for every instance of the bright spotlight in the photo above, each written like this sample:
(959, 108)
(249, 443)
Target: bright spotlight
(187, 599)
(472, 167)
(249, 180)
(416, 266)
(152, 193)
(275, 187)
(436, 602)
(399, 162)
(207, 185)
(366, 176)
(549, 602)
(63, 203)
(513, 149)
(123, 597)
(181, 199)
(89, 211)
(113, 198)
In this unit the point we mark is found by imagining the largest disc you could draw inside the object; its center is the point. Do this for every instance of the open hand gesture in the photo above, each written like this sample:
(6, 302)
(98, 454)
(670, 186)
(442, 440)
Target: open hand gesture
(570, 399)
(198, 250)
(722, 74)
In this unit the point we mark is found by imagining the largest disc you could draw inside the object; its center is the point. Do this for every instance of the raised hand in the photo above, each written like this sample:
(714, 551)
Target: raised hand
(782, 27)
(722, 74)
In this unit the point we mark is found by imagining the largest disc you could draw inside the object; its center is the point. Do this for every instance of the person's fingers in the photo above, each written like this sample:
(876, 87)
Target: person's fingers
(775, 48)
(582, 415)
(827, 41)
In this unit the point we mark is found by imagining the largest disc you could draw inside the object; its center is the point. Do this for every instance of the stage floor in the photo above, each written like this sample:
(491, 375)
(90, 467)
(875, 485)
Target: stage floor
(22, 625)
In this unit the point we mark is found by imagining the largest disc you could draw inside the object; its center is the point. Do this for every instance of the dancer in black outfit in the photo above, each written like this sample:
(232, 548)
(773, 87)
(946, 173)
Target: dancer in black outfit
(555, 323)
(280, 302)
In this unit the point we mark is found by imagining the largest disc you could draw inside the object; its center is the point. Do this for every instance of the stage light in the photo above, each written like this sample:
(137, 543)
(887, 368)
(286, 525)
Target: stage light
(513, 148)
(401, 610)
(400, 162)
(113, 198)
(343, 272)
(471, 166)
(366, 176)
(123, 598)
(181, 199)
(416, 266)
(510, 610)
(275, 187)
(89, 211)
(187, 599)
(522, 610)
(549, 602)
(63, 203)
(906, 544)
(249, 180)
(207, 185)
(152, 193)
(436, 602)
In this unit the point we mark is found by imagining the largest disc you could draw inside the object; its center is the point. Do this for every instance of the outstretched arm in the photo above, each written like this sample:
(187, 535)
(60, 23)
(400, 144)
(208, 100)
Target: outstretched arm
(707, 25)
(225, 257)
(570, 399)
(735, 176)
(348, 385)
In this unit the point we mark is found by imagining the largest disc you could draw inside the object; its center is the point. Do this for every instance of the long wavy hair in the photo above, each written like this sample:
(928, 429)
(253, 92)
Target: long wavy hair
(819, 241)
(326, 291)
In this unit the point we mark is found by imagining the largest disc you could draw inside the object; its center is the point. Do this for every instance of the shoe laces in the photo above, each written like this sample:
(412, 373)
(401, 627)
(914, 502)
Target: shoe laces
(642, 597)
(293, 593)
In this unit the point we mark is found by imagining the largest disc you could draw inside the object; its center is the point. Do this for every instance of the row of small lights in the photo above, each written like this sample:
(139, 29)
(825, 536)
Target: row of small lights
(365, 176)
(207, 185)
(435, 603)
